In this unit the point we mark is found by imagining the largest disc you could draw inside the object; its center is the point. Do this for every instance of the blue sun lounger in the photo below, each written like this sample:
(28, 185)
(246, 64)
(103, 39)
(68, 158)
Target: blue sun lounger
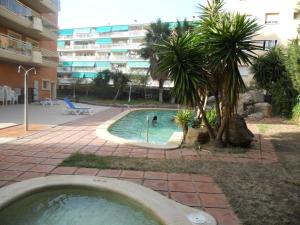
(72, 109)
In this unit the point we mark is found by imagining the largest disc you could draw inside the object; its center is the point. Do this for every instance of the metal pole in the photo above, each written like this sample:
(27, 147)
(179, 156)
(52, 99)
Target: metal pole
(147, 128)
(26, 101)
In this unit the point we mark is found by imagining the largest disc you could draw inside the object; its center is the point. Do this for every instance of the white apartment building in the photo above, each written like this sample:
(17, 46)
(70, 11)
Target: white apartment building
(84, 52)
(279, 19)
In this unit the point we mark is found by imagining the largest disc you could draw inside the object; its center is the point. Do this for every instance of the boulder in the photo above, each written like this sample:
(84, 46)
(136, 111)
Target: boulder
(257, 96)
(196, 135)
(238, 133)
(264, 107)
(256, 116)
(244, 100)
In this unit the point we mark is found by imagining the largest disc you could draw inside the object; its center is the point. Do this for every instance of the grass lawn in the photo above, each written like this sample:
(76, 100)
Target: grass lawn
(139, 102)
(260, 194)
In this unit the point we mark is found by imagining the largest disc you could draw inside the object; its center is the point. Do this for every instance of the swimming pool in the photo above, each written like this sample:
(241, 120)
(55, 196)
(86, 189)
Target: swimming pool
(134, 126)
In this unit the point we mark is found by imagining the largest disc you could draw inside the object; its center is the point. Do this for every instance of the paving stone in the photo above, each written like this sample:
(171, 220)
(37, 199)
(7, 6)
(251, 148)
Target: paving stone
(9, 175)
(109, 173)
(201, 178)
(190, 199)
(179, 176)
(132, 174)
(87, 171)
(155, 175)
(214, 200)
(42, 168)
(64, 170)
(29, 175)
(22, 167)
(207, 188)
(157, 185)
(182, 186)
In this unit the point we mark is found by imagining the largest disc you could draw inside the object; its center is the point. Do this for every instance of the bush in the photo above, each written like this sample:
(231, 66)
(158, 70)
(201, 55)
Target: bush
(211, 116)
(183, 118)
(296, 112)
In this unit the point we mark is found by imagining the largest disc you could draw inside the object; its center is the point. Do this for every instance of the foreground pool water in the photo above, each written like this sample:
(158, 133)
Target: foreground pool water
(134, 126)
(75, 207)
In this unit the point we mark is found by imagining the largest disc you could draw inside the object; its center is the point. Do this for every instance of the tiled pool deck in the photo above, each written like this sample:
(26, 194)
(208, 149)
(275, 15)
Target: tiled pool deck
(39, 154)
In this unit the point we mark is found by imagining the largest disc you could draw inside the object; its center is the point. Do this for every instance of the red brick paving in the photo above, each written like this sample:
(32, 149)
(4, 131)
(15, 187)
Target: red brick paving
(39, 154)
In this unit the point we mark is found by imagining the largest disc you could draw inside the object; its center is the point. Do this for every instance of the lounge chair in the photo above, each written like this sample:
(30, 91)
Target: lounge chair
(76, 110)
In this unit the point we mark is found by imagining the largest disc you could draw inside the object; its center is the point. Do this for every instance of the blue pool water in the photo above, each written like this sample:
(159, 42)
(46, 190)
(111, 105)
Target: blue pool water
(134, 126)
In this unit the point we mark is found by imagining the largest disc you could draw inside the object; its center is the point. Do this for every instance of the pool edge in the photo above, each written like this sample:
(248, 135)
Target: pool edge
(102, 132)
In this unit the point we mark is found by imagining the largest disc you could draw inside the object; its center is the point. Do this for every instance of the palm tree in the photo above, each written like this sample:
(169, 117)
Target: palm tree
(156, 33)
(207, 59)
(183, 27)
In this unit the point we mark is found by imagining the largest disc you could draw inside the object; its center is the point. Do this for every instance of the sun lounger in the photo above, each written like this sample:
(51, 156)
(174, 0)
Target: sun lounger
(71, 108)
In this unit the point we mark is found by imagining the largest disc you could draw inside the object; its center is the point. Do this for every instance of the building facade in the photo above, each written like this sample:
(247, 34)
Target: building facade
(28, 36)
(279, 20)
(84, 52)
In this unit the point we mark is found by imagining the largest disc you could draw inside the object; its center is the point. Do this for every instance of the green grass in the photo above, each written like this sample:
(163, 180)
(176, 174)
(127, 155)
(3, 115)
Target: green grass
(260, 194)
(141, 102)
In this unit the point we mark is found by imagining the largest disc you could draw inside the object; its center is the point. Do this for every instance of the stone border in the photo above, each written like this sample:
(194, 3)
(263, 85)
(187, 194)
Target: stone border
(165, 210)
(102, 132)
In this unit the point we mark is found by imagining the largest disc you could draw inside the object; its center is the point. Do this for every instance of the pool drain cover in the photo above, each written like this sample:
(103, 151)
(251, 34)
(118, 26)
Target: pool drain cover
(197, 218)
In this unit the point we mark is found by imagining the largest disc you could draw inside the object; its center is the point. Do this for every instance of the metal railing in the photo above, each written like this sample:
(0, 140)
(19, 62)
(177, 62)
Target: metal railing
(17, 8)
(15, 45)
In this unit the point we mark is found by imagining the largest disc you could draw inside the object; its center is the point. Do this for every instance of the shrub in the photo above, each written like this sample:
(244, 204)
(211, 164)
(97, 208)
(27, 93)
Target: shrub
(183, 118)
(296, 112)
(212, 116)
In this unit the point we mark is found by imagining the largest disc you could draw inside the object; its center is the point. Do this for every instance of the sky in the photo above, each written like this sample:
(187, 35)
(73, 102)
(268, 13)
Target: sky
(89, 13)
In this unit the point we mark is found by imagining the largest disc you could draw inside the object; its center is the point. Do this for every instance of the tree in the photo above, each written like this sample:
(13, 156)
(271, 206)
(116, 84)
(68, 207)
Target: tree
(156, 33)
(120, 80)
(183, 27)
(268, 68)
(206, 61)
(292, 63)
(102, 78)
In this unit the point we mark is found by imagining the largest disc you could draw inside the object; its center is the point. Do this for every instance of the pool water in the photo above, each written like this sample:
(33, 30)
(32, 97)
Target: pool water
(75, 207)
(133, 126)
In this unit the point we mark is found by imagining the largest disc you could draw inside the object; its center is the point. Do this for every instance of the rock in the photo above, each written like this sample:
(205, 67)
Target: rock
(257, 96)
(264, 107)
(196, 135)
(244, 100)
(238, 133)
(256, 116)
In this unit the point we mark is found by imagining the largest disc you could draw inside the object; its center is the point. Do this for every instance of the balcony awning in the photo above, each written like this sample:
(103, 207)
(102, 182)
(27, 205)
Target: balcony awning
(119, 28)
(84, 64)
(91, 75)
(67, 64)
(104, 29)
(60, 44)
(103, 64)
(138, 64)
(119, 50)
(82, 30)
(104, 41)
(66, 32)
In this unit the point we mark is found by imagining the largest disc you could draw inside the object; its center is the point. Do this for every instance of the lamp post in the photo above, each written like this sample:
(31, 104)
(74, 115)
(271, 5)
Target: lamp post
(26, 74)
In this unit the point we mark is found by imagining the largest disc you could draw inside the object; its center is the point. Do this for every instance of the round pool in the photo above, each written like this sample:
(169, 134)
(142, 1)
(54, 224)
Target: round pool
(138, 126)
(77, 200)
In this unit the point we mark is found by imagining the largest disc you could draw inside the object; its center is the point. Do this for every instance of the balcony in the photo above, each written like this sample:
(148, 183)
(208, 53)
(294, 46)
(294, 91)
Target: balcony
(44, 6)
(23, 19)
(101, 48)
(17, 51)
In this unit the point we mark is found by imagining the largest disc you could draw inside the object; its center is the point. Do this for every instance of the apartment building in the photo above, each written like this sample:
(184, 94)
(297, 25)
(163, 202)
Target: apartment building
(84, 52)
(279, 19)
(28, 35)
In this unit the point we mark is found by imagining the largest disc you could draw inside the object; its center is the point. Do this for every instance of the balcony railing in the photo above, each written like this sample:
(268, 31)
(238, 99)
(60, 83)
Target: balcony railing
(27, 13)
(15, 45)
(18, 8)
(108, 46)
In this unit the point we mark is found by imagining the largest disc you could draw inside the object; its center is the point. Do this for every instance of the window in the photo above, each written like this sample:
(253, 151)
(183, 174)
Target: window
(45, 85)
(272, 18)
(269, 44)
(32, 42)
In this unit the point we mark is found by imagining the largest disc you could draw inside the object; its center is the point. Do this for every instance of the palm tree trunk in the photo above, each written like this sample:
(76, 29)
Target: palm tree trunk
(218, 110)
(161, 90)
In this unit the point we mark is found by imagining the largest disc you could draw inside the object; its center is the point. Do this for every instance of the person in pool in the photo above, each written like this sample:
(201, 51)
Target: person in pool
(154, 120)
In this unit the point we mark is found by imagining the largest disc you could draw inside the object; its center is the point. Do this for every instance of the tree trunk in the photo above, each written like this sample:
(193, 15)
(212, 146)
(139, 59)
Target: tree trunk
(185, 131)
(117, 95)
(218, 110)
(161, 90)
(209, 128)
